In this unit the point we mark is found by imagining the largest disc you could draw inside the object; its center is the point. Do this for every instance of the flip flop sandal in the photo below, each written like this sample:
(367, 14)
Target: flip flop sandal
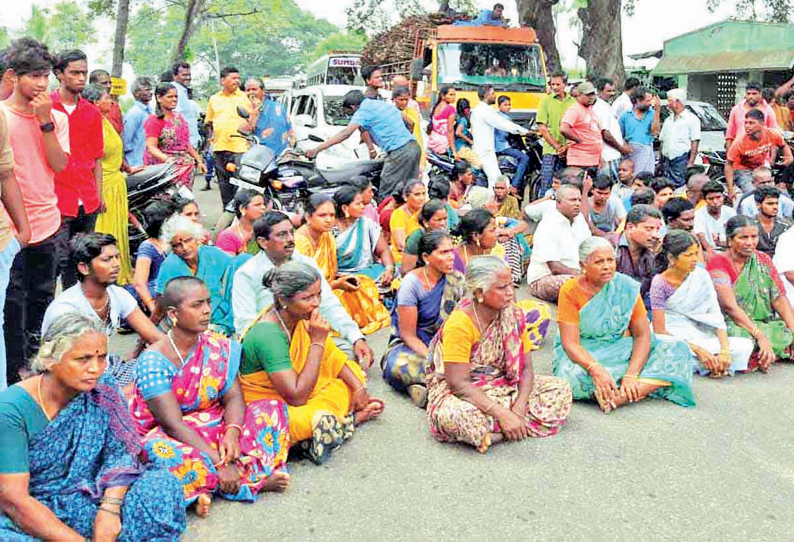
(418, 394)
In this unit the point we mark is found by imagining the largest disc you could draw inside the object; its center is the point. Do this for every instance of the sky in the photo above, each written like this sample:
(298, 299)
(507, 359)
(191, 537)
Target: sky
(653, 22)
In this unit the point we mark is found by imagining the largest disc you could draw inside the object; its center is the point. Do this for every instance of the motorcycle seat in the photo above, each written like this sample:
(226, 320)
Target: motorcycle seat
(343, 174)
(147, 175)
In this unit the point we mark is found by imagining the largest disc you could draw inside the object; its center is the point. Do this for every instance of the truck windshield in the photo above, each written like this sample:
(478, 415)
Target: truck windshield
(334, 114)
(506, 67)
(343, 76)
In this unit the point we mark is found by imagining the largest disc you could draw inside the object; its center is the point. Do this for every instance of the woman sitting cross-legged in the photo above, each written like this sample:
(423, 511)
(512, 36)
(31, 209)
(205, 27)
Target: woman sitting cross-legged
(190, 410)
(289, 356)
(249, 205)
(427, 295)
(751, 294)
(480, 381)
(405, 218)
(684, 304)
(357, 292)
(69, 467)
(605, 347)
(432, 217)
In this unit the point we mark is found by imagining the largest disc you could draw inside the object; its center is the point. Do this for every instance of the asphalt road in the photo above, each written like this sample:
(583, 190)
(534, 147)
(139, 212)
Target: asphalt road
(723, 470)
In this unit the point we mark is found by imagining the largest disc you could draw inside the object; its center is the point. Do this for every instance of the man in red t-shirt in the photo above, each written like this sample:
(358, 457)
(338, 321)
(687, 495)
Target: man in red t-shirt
(758, 147)
(580, 126)
(79, 186)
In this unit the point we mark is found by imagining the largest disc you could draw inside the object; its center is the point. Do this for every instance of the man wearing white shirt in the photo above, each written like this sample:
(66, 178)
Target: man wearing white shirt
(484, 120)
(614, 146)
(680, 137)
(275, 237)
(181, 73)
(555, 256)
(711, 218)
(623, 102)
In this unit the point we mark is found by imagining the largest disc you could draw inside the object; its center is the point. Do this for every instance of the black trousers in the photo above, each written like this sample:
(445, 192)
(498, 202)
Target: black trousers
(71, 226)
(31, 288)
(227, 189)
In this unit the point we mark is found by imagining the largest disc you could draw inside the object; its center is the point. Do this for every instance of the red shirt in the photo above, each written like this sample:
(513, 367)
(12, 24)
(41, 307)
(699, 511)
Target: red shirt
(748, 154)
(76, 183)
(584, 125)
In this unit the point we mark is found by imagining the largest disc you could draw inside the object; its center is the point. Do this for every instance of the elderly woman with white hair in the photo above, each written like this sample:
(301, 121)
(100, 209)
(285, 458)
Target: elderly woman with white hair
(481, 384)
(69, 465)
(188, 258)
(605, 347)
(679, 137)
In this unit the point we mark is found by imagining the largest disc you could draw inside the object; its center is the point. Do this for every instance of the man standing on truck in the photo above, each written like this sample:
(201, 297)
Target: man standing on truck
(385, 125)
(484, 120)
(550, 111)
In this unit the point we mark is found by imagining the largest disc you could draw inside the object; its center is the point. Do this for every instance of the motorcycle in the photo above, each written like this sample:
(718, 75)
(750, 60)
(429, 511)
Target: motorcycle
(532, 146)
(151, 183)
(441, 165)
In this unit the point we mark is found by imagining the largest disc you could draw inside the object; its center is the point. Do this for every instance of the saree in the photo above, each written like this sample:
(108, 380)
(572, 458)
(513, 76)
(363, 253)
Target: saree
(603, 323)
(198, 386)
(355, 249)
(325, 420)
(363, 305)
(114, 193)
(693, 314)
(173, 139)
(92, 446)
(497, 360)
(756, 287)
(401, 365)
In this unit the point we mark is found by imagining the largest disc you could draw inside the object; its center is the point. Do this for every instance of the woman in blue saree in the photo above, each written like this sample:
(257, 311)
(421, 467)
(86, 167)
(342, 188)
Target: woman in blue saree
(427, 295)
(605, 338)
(69, 467)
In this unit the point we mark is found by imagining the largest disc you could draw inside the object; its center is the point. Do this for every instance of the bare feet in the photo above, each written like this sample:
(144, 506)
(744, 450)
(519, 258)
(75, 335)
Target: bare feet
(203, 505)
(485, 444)
(606, 406)
(370, 412)
(277, 482)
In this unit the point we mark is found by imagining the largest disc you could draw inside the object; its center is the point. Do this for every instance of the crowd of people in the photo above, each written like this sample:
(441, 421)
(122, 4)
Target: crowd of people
(253, 348)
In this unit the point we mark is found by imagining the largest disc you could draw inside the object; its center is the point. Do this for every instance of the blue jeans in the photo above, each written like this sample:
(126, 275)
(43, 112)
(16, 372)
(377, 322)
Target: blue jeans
(675, 169)
(523, 163)
(6, 260)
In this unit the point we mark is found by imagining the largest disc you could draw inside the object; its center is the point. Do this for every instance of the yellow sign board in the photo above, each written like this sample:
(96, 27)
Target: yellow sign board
(118, 86)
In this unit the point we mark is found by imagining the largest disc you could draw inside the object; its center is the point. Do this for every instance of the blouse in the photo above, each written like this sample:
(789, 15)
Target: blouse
(21, 419)
(573, 298)
(267, 349)
(461, 334)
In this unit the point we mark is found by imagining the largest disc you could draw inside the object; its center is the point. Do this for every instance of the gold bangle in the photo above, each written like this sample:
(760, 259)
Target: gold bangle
(109, 511)
(362, 388)
(630, 376)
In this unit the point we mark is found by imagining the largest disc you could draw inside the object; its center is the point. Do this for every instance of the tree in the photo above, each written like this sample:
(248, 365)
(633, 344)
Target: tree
(338, 41)
(538, 14)
(120, 39)
(602, 41)
(367, 17)
(775, 11)
(64, 26)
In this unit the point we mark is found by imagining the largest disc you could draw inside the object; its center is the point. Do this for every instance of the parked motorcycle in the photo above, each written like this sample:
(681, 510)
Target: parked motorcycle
(532, 146)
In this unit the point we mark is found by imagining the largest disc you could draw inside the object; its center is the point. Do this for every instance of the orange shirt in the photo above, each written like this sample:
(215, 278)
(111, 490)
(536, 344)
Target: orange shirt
(745, 153)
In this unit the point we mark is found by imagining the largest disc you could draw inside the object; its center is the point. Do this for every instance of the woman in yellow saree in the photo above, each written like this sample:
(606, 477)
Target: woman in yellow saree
(289, 356)
(358, 293)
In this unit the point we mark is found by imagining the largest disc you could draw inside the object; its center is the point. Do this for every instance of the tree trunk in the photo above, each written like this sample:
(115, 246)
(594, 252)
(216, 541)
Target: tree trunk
(538, 14)
(122, 18)
(602, 44)
(193, 13)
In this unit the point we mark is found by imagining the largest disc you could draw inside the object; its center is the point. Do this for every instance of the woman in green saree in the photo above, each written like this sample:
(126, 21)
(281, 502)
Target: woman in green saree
(751, 295)
(605, 347)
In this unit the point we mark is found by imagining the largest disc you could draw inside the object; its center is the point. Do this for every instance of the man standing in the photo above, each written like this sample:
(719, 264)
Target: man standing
(223, 121)
(580, 125)
(638, 246)
(269, 118)
(762, 176)
(756, 148)
(274, 234)
(402, 81)
(623, 102)
(770, 227)
(133, 135)
(752, 100)
(614, 147)
(680, 137)
(384, 122)
(555, 256)
(639, 126)
(39, 137)
(102, 78)
(550, 111)
(484, 121)
(79, 186)
(184, 105)
(374, 80)
(710, 220)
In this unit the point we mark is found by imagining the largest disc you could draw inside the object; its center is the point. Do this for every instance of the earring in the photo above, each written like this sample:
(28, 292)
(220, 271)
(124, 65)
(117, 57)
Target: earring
(347, 215)
(478, 243)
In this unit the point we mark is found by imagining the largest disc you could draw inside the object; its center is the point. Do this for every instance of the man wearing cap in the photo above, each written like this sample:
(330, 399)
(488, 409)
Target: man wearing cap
(680, 137)
(580, 126)
(385, 125)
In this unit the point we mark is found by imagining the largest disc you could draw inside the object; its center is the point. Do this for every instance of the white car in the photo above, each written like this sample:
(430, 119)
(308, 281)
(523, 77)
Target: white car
(317, 115)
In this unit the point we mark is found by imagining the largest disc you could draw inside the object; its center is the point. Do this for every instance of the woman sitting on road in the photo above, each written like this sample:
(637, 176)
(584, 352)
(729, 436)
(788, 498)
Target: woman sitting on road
(605, 338)
(432, 217)
(358, 293)
(684, 304)
(480, 380)
(441, 129)
(461, 181)
(151, 255)
(168, 137)
(248, 206)
(751, 295)
(289, 356)
(69, 464)
(477, 230)
(405, 219)
(189, 208)
(190, 410)
(190, 259)
(426, 297)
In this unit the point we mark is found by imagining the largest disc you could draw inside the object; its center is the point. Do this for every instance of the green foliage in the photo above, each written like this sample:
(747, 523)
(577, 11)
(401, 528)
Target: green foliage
(5, 38)
(151, 36)
(776, 11)
(64, 26)
(338, 41)
(368, 17)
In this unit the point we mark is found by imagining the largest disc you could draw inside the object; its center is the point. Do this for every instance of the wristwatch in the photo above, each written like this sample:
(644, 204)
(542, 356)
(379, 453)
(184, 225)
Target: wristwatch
(47, 127)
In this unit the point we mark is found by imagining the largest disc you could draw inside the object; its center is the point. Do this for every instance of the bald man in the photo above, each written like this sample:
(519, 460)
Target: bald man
(402, 81)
